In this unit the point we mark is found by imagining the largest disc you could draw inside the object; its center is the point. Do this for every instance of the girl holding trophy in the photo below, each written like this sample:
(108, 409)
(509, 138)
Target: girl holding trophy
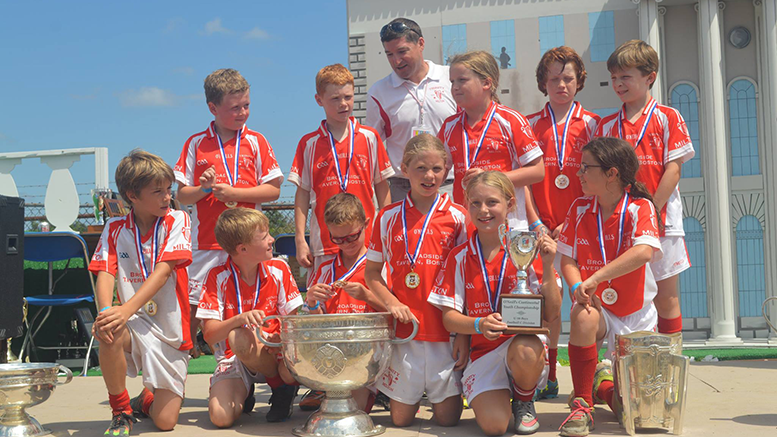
(606, 242)
(467, 292)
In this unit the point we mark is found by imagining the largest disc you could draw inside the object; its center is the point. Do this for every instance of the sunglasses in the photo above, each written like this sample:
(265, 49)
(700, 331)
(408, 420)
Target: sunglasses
(584, 167)
(396, 27)
(346, 239)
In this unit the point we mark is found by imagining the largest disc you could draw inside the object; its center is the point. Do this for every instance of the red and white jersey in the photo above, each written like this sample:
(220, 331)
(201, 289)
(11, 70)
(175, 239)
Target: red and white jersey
(117, 253)
(553, 202)
(460, 286)
(509, 144)
(666, 139)
(579, 240)
(341, 302)
(394, 108)
(278, 295)
(445, 231)
(257, 165)
(314, 170)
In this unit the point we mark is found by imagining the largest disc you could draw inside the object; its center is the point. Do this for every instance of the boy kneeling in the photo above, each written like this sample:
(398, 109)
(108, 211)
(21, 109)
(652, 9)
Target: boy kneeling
(236, 298)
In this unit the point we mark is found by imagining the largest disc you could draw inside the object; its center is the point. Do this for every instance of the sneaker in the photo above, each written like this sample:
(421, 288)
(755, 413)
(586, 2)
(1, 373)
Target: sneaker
(383, 400)
(580, 422)
(121, 424)
(464, 402)
(281, 403)
(549, 392)
(311, 400)
(603, 373)
(137, 404)
(525, 417)
(250, 401)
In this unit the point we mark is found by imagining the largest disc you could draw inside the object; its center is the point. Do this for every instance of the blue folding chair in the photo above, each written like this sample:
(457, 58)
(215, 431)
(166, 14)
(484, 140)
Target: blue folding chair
(285, 245)
(50, 247)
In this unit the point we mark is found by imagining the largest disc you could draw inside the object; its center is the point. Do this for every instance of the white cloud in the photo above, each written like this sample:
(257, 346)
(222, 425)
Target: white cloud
(257, 33)
(214, 26)
(148, 96)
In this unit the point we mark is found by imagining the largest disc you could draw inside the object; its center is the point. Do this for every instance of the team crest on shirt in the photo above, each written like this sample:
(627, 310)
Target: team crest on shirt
(683, 128)
(527, 130)
(438, 94)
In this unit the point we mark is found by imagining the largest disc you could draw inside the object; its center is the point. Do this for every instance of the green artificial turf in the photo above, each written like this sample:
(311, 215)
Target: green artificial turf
(204, 365)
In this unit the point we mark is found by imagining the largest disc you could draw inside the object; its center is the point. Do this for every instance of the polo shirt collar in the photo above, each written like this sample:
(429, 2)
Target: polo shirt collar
(577, 114)
(263, 272)
(435, 73)
(444, 204)
(211, 131)
(322, 128)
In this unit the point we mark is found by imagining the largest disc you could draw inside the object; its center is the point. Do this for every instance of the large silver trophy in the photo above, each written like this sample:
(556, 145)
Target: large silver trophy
(337, 353)
(23, 385)
(652, 380)
(520, 309)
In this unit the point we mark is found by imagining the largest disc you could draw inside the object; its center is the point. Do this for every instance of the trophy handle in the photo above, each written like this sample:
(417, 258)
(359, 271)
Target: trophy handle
(68, 375)
(503, 235)
(261, 337)
(763, 311)
(409, 337)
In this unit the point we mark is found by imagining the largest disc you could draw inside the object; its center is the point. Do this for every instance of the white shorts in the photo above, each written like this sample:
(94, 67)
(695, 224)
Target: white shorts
(674, 261)
(645, 319)
(418, 366)
(492, 372)
(164, 367)
(232, 368)
(202, 262)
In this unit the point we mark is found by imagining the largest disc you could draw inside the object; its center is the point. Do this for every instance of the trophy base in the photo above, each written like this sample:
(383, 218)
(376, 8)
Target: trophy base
(339, 417)
(26, 427)
(526, 331)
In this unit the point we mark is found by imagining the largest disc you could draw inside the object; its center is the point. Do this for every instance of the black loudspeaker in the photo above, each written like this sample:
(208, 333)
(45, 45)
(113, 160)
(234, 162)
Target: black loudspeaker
(11, 266)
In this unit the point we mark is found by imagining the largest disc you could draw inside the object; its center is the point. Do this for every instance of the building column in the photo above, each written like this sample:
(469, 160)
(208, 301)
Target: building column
(720, 279)
(650, 32)
(768, 53)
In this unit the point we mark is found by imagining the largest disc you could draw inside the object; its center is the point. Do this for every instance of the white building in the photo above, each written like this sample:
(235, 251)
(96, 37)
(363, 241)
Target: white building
(718, 67)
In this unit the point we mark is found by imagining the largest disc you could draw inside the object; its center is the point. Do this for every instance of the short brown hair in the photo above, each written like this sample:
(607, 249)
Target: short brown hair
(223, 82)
(484, 65)
(342, 209)
(138, 170)
(563, 55)
(334, 74)
(237, 226)
(634, 54)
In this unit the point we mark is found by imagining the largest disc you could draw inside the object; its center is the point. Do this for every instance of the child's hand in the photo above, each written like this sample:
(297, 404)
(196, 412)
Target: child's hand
(492, 326)
(253, 318)
(471, 173)
(547, 250)
(319, 292)
(355, 290)
(401, 312)
(585, 292)
(556, 232)
(461, 351)
(102, 337)
(112, 319)
(225, 193)
(208, 177)
(304, 257)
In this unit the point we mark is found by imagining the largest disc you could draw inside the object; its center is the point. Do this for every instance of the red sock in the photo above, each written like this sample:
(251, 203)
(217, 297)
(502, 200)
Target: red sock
(606, 391)
(120, 403)
(370, 403)
(523, 395)
(274, 382)
(582, 363)
(146, 401)
(552, 356)
(670, 326)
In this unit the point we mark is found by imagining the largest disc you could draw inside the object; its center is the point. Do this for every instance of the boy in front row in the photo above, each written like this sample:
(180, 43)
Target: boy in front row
(147, 251)
(236, 297)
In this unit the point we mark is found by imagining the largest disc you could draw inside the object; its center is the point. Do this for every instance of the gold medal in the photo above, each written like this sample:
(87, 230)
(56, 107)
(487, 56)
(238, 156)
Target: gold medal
(609, 296)
(151, 308)
(339, 284)
(231, 204)
(412, 280)
(562, 181)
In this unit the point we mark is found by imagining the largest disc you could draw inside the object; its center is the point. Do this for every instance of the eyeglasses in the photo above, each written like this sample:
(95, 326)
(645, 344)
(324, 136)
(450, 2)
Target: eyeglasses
(584, 167)
(397, 27)
(346, 239)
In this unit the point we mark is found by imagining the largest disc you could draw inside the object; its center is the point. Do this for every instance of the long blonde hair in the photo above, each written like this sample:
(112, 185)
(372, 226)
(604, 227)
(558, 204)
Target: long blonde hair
(425, 143)
(484, 65)
(493, 179)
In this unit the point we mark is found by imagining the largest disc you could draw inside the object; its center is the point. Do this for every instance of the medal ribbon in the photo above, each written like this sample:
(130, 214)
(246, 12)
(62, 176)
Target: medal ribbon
(467, 161)
(231, 178)
(350, 271)
(493, 296)
(429, 214)
(561, 146)
(144, 270)
(237, 288)
(621, 221)
(652, 107)
(417, 100)
(343, 182)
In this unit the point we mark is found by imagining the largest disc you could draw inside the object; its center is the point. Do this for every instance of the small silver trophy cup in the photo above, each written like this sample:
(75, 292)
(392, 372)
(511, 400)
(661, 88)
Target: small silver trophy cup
(520, 309)
(23, 385)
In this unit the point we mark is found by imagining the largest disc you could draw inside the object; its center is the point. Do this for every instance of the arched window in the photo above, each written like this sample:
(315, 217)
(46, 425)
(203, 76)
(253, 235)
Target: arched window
(693, 282)
(684, 98)
(750, 266)
(743, 122)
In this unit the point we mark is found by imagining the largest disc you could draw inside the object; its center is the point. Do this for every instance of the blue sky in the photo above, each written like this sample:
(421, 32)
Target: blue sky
(129, 74)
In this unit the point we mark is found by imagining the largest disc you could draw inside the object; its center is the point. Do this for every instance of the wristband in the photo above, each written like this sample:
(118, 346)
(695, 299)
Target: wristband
(535, 225)
(315, 307)
(477, 325)
(103, 309)
(574, 287)
(206, 190)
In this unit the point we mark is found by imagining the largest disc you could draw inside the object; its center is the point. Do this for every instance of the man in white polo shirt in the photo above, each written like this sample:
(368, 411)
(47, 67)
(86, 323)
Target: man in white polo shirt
(414, 98)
